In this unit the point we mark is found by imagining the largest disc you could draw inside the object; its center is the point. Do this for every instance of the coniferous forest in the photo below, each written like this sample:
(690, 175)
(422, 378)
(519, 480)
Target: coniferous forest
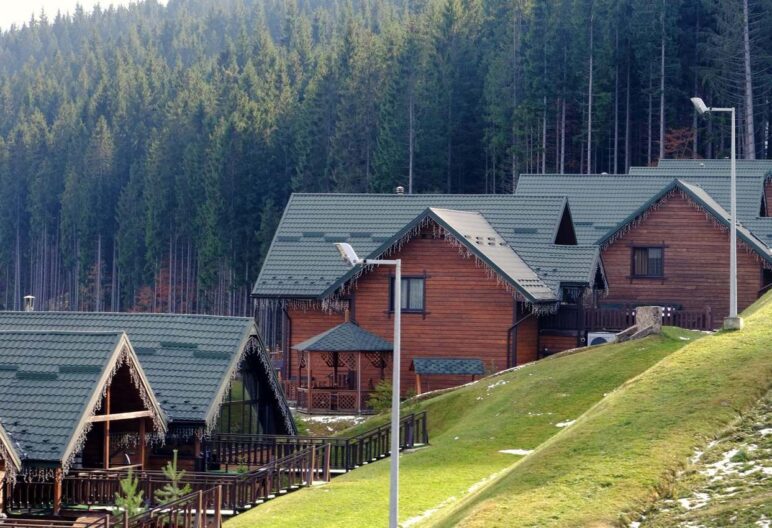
(146, 153)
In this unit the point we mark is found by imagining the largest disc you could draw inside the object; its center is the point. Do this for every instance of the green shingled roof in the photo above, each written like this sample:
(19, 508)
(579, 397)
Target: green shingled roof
(49, 382)
(303, 262)
(448, 366)
(346, 337)
(599, 202)
(188, 358)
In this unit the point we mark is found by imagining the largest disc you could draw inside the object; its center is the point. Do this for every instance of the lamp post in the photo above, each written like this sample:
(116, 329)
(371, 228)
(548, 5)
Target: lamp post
(349, 256)
(733, 322)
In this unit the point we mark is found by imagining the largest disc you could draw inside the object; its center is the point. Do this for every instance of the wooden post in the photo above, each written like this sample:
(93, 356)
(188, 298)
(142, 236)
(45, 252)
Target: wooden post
(308, 376)
(142, 453)
(125, 519)
(359, 382)
(107, 431)
(313, 466)
(327, 462)
(417, 384)
(201, 514)
(218, 506)
(57, 491)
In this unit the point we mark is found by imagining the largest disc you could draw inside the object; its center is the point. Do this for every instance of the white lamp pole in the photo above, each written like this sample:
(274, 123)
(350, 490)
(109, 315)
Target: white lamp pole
(349, 255)
(733, 322)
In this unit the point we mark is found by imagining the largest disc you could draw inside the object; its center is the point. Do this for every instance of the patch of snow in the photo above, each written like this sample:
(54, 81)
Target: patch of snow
(456, 438)
(682, 338)
(497, 384)
(766, 431)
(699, 500)
(763, 522)
(565, 424)
(328, 419)
(518, 452)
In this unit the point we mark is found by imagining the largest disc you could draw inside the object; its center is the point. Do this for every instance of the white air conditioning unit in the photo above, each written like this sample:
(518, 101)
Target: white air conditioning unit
(600, 338)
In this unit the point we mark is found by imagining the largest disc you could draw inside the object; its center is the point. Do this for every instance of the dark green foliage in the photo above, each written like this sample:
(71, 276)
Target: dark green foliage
(174, 489)
(146, 152)
(130, 499)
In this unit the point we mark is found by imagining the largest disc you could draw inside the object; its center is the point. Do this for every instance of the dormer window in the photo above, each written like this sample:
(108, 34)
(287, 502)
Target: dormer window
(566, 236)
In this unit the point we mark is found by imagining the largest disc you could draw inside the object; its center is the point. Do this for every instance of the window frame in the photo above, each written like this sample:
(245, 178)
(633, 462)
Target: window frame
(408, 278)
(634, 249)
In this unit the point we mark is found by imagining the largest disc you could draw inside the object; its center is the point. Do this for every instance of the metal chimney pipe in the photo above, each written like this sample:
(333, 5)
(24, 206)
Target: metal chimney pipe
(29, 303)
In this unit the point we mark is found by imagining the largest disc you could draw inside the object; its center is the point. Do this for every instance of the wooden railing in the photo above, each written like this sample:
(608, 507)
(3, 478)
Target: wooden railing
(229, 451)
(618, 319)
(330, 400)
(20, 522)
(200, 509)
(238, 490)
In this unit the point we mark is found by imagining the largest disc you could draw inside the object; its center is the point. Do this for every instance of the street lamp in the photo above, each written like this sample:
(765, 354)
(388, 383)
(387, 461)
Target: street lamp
(350, 256)
(733, 322)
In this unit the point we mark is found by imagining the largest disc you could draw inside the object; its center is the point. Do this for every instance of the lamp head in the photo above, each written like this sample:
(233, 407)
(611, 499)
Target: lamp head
(348, 254)
(700, 105)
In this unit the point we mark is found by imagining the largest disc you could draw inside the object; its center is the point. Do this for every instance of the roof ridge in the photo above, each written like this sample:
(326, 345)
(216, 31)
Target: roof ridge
(132, 314)
(65, 332)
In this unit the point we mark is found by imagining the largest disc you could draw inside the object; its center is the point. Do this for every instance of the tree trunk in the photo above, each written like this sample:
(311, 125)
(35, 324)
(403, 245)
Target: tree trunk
(589, 99)
(662, 87)
(627, 120)
(651, 109)
(616, 105)
(750, 137)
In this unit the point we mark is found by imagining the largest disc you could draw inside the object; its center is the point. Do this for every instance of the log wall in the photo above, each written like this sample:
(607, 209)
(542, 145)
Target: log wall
(696, 262)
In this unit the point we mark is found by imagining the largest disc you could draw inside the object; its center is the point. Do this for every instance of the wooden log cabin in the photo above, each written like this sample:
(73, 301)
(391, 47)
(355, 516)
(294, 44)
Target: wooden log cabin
(210, 375)
(663, 231)
(484, 277)
(63, 398)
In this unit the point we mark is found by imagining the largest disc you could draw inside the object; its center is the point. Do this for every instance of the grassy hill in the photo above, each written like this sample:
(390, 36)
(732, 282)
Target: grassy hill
(625, 452)
(727, 484)
(469, 427)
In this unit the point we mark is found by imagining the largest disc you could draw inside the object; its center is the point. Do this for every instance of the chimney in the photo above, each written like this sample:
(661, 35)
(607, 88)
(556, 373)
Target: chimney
(400, 190)
(29, 303)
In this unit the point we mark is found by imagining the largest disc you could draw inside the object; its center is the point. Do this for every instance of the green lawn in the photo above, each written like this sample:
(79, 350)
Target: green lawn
(469, 426)
(624, 453)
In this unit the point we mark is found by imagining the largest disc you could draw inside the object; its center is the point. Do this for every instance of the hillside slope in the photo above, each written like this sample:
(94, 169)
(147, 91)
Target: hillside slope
(469, 428)
(623, 453)
(727, 484)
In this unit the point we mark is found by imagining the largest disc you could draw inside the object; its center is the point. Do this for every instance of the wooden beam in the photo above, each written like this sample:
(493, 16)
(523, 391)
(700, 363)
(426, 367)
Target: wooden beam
(120, 416)
(418, 384)
(142, 443)
(106, 439)
(58, 491)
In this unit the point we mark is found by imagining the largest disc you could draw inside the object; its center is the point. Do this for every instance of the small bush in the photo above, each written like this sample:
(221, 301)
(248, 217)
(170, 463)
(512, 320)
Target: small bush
(380, 398)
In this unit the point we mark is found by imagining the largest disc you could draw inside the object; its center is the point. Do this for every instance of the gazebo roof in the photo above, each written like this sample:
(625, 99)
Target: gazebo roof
(454, 366)
(346, 337)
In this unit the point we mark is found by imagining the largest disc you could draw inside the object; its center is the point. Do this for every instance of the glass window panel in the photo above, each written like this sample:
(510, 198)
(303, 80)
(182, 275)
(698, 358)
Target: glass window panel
(404, 299)
(416, 294)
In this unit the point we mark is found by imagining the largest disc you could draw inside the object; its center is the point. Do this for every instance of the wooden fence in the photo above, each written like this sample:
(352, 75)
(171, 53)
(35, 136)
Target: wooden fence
(616, 319)
(238, 490)
(230, 451)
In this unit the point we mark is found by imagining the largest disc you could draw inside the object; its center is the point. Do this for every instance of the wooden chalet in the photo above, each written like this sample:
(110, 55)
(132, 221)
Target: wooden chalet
(64, 396)
(663, 232)
(482, 277)
(210, 375)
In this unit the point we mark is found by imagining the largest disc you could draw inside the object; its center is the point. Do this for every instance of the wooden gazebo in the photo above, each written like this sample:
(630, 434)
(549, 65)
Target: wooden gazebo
(339, 368)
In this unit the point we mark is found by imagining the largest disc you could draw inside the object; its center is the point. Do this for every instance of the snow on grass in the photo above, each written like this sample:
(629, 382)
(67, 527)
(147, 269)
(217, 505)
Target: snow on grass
(565, 423)
(518, 452)
(326, 419)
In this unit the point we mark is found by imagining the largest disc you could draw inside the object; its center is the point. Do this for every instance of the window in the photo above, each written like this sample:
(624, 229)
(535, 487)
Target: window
(412, 294)
(648, 262)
